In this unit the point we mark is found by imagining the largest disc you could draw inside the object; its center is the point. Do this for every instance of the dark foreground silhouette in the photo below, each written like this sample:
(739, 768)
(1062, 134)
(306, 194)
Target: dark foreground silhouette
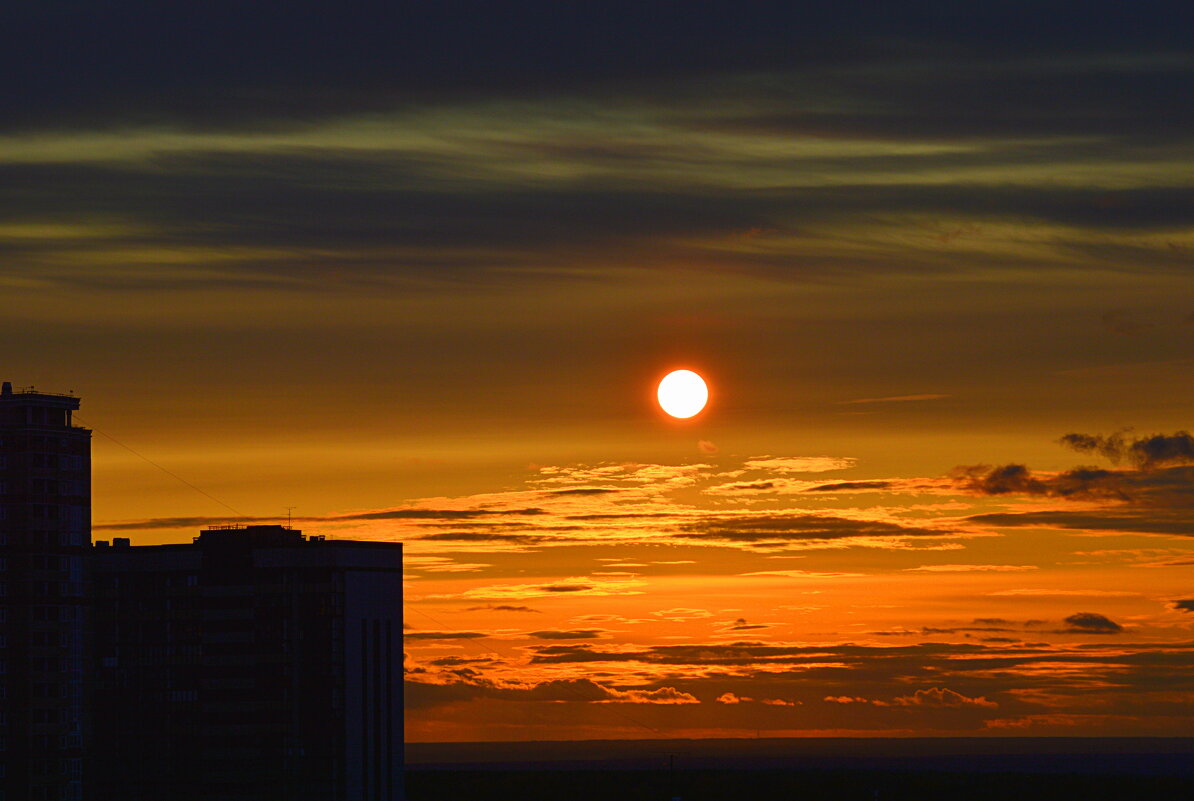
(817, 770)
(761, 785)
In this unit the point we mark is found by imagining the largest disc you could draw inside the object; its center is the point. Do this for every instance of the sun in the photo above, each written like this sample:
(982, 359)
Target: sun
(682, 393)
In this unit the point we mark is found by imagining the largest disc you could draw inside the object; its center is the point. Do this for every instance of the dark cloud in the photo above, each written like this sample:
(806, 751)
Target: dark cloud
(751, 485)
(999, 480)
(1092, 623)
(1161, 521)
(1183, 605)
(584, 491)
(988, 679)
(851, 485)
(959, 629)
(387, 514)
(1154, 487)
(176, 522)
(621, 516)
(434, 514)
(443, 635)
(503, 608)
(745, 653)
(1157, 450)
(219, 64)
(482, 536)
(741, 624)
(777, 529)
(1081, 482)
(579, 634)
(456, 661)
(468, 686)
(302, 217)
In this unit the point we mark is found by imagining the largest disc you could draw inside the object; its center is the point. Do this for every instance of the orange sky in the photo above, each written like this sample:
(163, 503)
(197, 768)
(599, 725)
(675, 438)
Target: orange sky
(731, 594)
(416, 274)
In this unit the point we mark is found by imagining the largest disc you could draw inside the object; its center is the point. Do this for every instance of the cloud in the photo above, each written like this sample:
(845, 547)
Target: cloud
(469, 687)
(432, 514)
(578, 634)
(730, 698)
(457, 661)
(960, 629)
(1092, 623)
(777, 529)
(741, 624)
(1154, 487)
(503, 608)
(158, 523)
(376, 58)
(452, 567)
(1051, 593)
(847, 486)
(1002, 480)
(416, 514)
(894, 399)
(482, 536)
(938, 697)
(662, 695)
(798, 464)
(1157, 450)
(443, 635)
(1183, 605)
(961, 684)
(680, 614)
(579, 586)
(972, 568)
(1149, 521)
(800, 574)
(707, 447)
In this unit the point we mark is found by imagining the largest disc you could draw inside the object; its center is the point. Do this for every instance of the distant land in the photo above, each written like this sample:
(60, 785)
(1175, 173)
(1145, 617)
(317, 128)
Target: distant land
(833, 769)
(1170, 755)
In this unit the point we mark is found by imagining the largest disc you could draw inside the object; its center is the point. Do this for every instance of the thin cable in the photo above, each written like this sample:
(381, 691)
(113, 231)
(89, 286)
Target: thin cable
(164, 470)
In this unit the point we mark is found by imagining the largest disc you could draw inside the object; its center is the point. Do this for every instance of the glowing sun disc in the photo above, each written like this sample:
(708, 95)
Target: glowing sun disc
(682, 393)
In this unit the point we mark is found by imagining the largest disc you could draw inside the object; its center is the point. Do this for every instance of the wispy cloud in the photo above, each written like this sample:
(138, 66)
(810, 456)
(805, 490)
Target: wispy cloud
(894, 399)
(972, 568)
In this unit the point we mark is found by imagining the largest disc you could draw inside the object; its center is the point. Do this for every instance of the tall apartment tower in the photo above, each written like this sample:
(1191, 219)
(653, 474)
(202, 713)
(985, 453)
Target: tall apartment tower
(45, 536)
(254, 664)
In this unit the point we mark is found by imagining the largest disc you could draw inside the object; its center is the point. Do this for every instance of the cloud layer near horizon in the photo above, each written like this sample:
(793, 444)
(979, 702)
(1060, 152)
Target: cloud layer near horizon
(849, 638)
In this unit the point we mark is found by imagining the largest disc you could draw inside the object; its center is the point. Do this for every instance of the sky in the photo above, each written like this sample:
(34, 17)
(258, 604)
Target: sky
(412, 272)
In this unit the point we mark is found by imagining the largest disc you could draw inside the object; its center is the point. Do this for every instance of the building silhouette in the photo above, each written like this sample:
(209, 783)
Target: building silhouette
(45, 538)
(254, 663)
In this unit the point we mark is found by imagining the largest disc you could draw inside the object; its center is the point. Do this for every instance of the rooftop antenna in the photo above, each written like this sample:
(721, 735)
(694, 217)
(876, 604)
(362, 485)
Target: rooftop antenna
(290, 516)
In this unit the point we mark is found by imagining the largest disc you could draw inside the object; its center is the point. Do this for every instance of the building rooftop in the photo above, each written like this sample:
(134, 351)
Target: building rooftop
(237, 535)
(29, 396)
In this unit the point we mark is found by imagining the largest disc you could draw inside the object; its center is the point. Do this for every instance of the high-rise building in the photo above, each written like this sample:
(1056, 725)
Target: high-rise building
(254, 663)
(45, 538)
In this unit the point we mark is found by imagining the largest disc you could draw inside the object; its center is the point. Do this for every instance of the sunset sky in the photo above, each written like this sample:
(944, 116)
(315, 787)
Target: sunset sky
(415, 270)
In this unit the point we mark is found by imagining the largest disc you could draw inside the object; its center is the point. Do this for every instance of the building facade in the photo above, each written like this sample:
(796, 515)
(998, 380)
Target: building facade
(254, 663)
(45, 539)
